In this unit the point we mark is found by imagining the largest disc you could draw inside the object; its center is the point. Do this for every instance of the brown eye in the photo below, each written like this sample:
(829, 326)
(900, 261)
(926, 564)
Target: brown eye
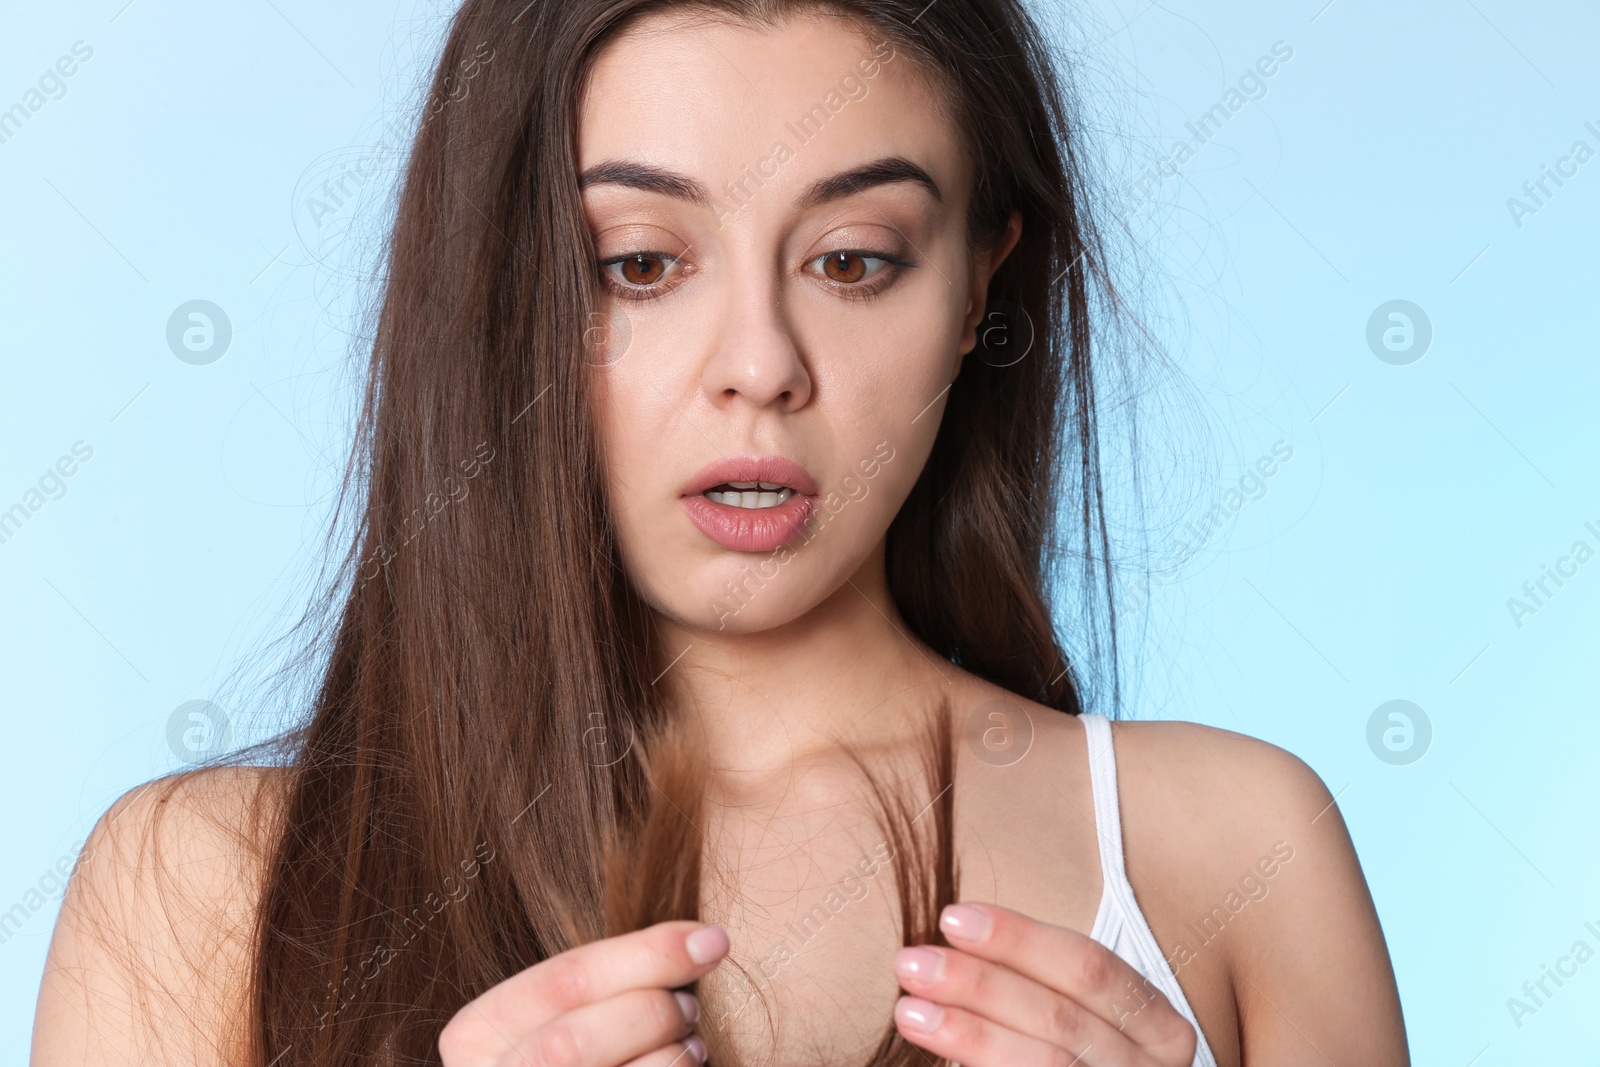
(847, 267)
(642, 270)
(638, 275)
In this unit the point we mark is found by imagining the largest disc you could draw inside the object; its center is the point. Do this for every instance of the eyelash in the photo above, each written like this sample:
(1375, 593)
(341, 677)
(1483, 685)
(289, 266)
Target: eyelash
(863, 291)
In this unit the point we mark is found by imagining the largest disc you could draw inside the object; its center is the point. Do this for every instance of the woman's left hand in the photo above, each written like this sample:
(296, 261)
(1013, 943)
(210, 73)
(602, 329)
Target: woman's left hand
(1016, 992)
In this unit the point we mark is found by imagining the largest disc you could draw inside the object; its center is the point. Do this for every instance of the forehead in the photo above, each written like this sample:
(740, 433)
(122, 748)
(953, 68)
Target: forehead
(810, 97)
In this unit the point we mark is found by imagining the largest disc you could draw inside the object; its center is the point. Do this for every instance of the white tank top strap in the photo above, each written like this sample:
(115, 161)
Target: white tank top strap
(1120, 923)
(1103, 781)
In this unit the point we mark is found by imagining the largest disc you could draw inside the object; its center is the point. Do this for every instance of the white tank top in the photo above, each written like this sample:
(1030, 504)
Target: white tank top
(1120, 925)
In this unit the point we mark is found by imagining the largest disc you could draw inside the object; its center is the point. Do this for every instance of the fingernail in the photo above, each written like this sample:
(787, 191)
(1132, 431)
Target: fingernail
(706, 944)
(967, 923)
(914, 1013)
(921, 964)
(688, 1005)
(697, 1049)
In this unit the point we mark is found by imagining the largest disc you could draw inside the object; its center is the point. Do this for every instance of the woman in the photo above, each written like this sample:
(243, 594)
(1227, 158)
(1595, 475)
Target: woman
(694, 688)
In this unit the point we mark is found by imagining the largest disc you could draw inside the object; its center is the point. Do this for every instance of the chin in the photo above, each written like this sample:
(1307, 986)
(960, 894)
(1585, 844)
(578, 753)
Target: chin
(746, 592)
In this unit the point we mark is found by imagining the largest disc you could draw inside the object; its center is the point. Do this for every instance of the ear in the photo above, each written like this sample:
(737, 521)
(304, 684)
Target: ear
(984, 264)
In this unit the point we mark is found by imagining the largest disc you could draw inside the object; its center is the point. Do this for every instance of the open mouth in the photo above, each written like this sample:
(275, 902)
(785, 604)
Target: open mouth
(752, 496)
(751, 503)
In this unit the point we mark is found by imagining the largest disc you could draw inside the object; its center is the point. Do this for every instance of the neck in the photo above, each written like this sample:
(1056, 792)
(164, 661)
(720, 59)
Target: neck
(849, 669)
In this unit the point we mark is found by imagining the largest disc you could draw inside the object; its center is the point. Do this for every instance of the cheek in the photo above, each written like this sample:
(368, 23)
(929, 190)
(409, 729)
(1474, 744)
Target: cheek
(889, 389)
(884, 377)
(644, 445)
(880, 449)
(625, 432)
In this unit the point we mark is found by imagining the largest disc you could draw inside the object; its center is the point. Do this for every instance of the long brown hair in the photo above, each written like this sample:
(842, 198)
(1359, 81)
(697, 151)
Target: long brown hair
(486, 777)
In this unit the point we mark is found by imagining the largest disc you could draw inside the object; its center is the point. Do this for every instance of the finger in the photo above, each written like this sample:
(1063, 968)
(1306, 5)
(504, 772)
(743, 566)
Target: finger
(973, 1041)
(1072, 964)
(663, 956)
(951, 978)
(690, 1053)
(616, 1030)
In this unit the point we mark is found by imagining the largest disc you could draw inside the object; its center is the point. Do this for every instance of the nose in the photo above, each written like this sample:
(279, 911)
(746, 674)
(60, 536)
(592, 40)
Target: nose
(755, 357)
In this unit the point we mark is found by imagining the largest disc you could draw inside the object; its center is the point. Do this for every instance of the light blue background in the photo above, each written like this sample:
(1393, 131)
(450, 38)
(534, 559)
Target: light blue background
(179, 165)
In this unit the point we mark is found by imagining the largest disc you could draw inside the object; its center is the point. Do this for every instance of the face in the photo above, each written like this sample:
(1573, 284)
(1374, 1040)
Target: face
(779, 217)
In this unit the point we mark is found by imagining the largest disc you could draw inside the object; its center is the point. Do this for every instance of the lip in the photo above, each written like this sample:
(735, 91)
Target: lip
(774, 470)
(746, 529)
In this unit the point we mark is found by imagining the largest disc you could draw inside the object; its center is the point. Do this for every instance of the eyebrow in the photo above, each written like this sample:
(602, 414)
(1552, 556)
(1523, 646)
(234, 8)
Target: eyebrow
(653, 179)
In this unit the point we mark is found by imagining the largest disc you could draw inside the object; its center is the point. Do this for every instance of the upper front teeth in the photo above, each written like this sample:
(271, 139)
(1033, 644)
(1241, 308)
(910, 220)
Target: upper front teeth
(751, 495)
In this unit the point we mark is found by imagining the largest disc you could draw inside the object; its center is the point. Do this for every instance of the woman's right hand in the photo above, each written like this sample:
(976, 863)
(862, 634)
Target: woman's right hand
(610, 1003)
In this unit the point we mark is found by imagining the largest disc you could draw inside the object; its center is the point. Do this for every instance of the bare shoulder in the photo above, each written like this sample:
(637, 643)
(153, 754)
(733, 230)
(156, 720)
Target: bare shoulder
(1216, 785)
(149, 953)
(1249, 877)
